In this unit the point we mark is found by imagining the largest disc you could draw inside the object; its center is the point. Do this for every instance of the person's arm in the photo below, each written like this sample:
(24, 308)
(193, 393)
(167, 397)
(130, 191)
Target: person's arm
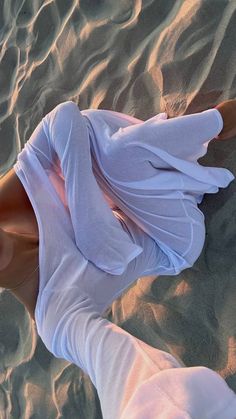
(63, 135)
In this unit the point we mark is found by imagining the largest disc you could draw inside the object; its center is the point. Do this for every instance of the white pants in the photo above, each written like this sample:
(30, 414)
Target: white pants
(159, 194)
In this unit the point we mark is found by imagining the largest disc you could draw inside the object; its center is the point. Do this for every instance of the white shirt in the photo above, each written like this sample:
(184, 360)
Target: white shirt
(88, 257)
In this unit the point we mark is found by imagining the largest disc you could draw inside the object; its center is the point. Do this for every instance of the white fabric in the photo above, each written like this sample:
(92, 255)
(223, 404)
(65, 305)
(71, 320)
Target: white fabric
(141, 182)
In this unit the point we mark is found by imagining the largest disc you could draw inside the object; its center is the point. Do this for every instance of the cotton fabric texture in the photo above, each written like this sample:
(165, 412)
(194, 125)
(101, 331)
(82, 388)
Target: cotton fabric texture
(116, 198)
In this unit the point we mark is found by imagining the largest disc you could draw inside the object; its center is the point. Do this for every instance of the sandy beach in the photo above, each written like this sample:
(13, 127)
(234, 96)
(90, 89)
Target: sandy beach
(139, 58)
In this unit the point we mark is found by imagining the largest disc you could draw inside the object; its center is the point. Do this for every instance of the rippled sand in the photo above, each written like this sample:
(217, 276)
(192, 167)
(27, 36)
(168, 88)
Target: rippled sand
(139, 58)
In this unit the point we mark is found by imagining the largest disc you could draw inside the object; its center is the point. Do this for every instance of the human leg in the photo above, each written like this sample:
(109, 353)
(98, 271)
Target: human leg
(150, 171)
(185, 137)
(132, 378)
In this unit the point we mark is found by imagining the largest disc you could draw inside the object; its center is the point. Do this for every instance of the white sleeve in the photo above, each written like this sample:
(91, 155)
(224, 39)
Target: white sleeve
(98, 233)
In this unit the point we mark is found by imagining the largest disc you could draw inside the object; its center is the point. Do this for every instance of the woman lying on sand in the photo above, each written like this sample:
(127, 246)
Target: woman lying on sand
(96, 200)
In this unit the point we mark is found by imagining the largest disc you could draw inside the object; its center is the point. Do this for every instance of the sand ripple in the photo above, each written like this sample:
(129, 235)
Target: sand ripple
(137, 57)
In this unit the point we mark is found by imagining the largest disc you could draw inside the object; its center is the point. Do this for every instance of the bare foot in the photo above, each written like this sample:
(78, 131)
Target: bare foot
(227, 110)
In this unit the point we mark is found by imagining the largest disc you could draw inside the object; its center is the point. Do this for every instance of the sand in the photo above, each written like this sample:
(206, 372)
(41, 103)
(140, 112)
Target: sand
(139, 58)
